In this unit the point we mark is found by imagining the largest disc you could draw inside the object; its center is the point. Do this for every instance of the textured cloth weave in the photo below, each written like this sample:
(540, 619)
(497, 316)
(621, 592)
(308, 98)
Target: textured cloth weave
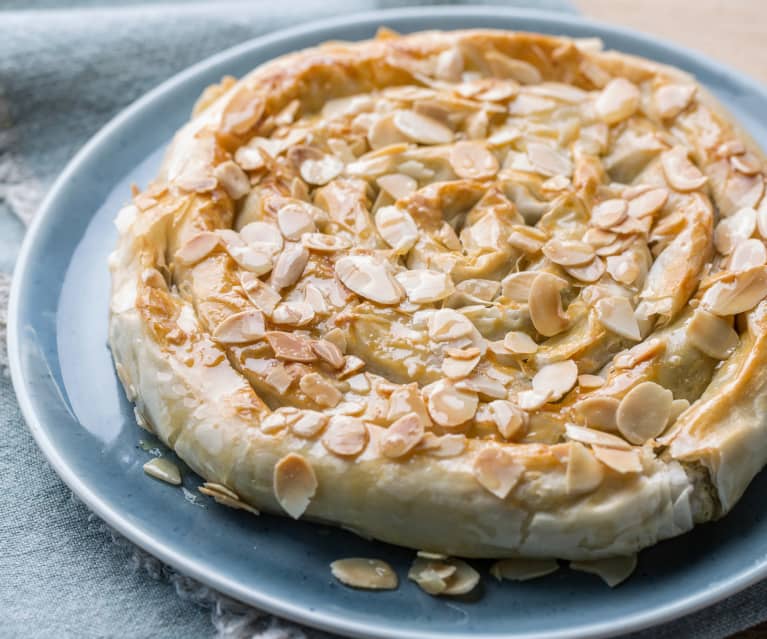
(64, 72)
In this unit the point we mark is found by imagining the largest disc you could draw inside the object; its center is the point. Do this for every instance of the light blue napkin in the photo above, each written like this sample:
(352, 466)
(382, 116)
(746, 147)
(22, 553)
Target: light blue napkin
(64, 72)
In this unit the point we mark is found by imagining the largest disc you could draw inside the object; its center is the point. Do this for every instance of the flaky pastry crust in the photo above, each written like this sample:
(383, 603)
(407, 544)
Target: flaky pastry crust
(484, 293)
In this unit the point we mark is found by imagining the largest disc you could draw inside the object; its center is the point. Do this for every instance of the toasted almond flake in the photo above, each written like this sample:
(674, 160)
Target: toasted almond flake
(523, 569)
(486, 386)
(497, 471)
(508, 418)
(240, 328)
(463, 580)
(449, 406)
(555, 380)
(584, 471)
(367, 574)
(444, 446)
(712, 335)
(402, 436)
(320, 390)
(337, 336)
(308, 424)
(613, 571)
(345, 436)
(289, 266)
(397, 185)
(258, 262)
(519, 343)
(680, 173)
(431, 575)
(624, 268)
(323, 243)
(672, 99)
(517, 285)
(293, 314)
(532, 400)
(294, 484)
(233, 179)
(449, 65)
(261, 295)
(594, 437)
(329, 352)
(263, 235)
(294, 221)
(735, 229)
(222, 495)
(590, 381)
(643, 352)
(617, 315)
(617, 101)
(427, 554)
(647, 203)
(290, 347)
(383, 133)
(424, 286)
(621, 461)
(352, 365)
(590, 272)
(568, 252)
(609, 213)
(598, 412)
(396, 227)
(446, 325)
(319, 171)
(278, 378)
(279, 419)
(368, 278)
(467, 353)
(315, 298)
(746, 163)
(547, 160)
(739, 294)
(545, 304)
(678, 406)
(644, 412)
(472, 160)
(422, 129)
(458, 368)
(198, 247)
(748, 254)
(164, 470)
(525, 242)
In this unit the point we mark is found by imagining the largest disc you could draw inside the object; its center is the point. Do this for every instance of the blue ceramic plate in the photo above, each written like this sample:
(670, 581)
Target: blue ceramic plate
(78, 414)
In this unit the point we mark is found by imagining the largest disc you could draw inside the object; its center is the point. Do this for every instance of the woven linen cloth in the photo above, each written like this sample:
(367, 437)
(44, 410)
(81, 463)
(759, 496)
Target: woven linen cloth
(64, 72)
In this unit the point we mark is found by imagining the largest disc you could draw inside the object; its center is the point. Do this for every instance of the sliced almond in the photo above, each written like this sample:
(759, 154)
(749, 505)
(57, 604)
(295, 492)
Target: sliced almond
(289, 266)
(589, 272)
(233, 179)
(595, 437)
(680, 173)
(738, 294)
(734, 229)
(748, 254)
(746, 163)
(164, 470)
(422, 129)
(431, 575)
(644, 411)
(508, 418)
(345, 436)
(264, 236)
(424, 286)
(226, 497)
(545, 304)
(278, 378)
(294, 221)
(449, 406)
(672, 99)
(532, 400)
(613, 571)
(712, 335)
(617, 315)
(329, 352)
(548, 161)
(261, 295)
(198, 247)
(497, 471)
(319, 389)
(308, 424)
(609, 213)
(240, 328)
(598, 412)
(473, 161)
(590, 381)
(402, 436)
(555, 380)
(367, 574)
(447, 325)
(449, 65)
(647, 203)
(523, 569)
(617, 101)
(568, 252)
(294, 484)
(257, 261)
(457, 368)
(463, 580)
(398, 185)
(321, 170)
(396, 227)
(290, 347)
(584, 471)
(368, 278)
(621, 461)
(323, 243)
(519, 343)
(517, 285)
(442, 446)
(293, 314)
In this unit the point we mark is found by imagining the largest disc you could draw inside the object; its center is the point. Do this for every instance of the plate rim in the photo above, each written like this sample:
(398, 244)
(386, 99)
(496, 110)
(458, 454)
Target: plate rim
(186, 564)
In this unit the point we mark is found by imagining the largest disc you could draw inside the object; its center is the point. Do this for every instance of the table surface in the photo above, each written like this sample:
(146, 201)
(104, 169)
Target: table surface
(731, 31)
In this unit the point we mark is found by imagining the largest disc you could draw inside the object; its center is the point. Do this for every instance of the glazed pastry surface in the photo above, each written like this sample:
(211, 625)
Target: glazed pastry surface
(482, 293)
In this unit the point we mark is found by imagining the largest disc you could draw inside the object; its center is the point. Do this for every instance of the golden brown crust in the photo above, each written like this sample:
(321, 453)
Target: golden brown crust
(378, 279)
